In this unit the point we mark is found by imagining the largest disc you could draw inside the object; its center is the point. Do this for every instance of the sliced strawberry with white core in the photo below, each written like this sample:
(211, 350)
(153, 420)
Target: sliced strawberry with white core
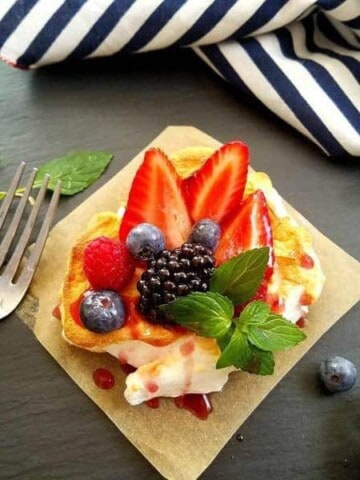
(250, 228)
(155, 197)
(217, 188)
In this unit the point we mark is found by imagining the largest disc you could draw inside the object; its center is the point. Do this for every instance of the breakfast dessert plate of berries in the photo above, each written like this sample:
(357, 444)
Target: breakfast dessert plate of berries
(188, 285)
(201, 273)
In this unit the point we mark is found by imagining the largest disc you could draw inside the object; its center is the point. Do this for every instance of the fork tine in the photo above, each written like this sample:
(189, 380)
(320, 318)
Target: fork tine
(35, 255)
(14, 262)
(10, 195)
(5, 244)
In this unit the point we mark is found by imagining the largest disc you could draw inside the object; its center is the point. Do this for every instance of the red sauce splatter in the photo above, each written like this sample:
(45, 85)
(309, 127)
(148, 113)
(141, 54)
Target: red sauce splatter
(306, 261)
(126, 368)
(151, 387)
(103, 378)
(301, 323)
(187, 348)
(153, 403)
(306, 299)
(75, 310)
(273, 301)
(56, 312)
(196, 403)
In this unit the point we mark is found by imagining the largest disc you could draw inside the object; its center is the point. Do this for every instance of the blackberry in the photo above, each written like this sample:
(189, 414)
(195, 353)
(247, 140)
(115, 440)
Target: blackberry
(173, 274)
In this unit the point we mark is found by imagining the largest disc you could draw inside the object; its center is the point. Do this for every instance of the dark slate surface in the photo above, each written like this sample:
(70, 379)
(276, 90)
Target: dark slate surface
(48, 427)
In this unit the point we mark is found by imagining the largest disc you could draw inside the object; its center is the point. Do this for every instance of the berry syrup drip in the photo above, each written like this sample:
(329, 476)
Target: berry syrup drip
(195, 403)
(75, 309)
(306, 261)
(56, 312)
(153, 402)
(301, 323)
(103, 378)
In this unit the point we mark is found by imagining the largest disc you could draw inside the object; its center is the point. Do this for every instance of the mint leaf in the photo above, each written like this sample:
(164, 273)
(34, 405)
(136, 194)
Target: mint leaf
(253, 314)
(240, 277)
(237, 352)
(207, 314)
(263, 362)
(76, 171)
(241, 354)
(275, 334)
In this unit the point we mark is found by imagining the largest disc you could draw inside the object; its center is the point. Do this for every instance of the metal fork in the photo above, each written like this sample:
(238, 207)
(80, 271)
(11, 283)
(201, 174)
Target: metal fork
(13, 289)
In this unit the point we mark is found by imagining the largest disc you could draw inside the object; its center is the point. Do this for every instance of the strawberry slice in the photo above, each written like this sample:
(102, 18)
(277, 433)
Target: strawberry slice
(155, 197)
(218, 186)
(251, 228)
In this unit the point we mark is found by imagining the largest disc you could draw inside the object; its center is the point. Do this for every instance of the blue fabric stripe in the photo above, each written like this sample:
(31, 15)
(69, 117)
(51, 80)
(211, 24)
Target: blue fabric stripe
(353, 23)
(46, 37)
(292, 97)
(231, 75)
(350, 63)
(157, 20)
(260, 18)
(225, 68)
(13, 18)
(329, 31)
(322, 77)
(100, 29)
(206, 22)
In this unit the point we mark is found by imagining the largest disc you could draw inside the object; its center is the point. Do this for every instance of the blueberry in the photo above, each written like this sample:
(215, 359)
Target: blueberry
(102, 311)
(144, 241)
(338, 374)
(206, 233)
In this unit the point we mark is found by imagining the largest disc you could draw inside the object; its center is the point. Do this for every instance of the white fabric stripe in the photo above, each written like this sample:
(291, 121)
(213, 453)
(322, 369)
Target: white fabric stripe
(335, 68)
(126, 28)
(207, 60)
(324, 42)
(325, 108)
(285, 15)
(178, 25)
(5, 5)
(255, 80)
(27, 30)
(74, 32)
(346, 11)
(238, 14)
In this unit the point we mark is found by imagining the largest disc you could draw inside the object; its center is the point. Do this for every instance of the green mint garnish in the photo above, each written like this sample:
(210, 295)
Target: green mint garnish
(76, 171)
(240, 278)
(248, 341)
(208, 314)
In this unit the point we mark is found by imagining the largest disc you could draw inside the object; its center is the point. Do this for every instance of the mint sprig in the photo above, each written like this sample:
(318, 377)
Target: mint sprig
(240, 277)
(76, 171)
(208, 314)
(248, 341)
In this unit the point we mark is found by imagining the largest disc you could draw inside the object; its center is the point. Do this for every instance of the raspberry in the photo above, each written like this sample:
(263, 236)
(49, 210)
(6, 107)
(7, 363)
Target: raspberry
(107, 264)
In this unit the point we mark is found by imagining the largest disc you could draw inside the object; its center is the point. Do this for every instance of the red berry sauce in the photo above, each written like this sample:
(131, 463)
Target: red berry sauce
(306, 261)
(195, 403)
(103, 378)
(153, 402)
(56, 312)
(301, 323)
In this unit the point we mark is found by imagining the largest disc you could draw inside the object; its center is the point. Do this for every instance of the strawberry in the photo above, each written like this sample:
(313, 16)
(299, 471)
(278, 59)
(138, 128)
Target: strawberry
(155, 197)
(218, 186)
(250, 228)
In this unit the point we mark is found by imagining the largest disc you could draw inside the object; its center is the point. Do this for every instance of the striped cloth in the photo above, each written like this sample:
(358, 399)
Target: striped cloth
(299, 58)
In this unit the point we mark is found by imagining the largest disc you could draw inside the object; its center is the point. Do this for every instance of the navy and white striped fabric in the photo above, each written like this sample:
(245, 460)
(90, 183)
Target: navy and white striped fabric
(299, 58)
